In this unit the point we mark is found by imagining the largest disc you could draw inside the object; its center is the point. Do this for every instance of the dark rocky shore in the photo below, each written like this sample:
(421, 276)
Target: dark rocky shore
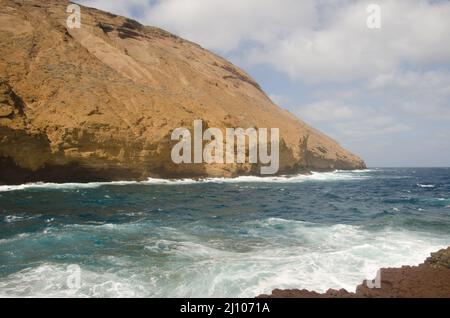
(428, 280)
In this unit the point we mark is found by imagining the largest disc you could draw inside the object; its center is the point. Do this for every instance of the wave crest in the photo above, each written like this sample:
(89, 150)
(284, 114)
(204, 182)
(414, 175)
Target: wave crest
(337, 175)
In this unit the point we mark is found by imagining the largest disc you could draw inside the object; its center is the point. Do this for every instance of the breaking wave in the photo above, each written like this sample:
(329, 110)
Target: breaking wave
(278, 253)
(154, 239)
(426, 185)
(314, 176)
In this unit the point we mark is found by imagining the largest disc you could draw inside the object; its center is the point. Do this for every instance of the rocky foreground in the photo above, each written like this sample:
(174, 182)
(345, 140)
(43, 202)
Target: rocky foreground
(99, 103)
(428, 280)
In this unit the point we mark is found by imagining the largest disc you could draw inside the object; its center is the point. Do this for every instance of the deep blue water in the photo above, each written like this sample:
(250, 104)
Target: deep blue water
(240, 237)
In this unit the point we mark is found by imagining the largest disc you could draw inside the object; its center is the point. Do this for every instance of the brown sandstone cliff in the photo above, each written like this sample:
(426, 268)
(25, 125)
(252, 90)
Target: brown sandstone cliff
(100, 102)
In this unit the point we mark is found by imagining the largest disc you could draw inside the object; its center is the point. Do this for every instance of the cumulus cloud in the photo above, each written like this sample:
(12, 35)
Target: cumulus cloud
(226, 25)
(128, 8)
(311, 41)
(369, 88)
(351, 122)
(425, 94)
(344, 49)
(280, 99)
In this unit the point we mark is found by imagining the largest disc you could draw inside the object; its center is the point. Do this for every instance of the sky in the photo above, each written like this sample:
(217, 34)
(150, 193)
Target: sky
(383, 93)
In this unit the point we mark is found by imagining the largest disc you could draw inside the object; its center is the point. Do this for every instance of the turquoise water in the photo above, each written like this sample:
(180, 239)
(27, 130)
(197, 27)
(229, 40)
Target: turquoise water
(219, 238)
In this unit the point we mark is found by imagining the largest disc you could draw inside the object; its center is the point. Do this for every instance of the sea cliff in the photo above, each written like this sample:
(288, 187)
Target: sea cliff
(99, 102)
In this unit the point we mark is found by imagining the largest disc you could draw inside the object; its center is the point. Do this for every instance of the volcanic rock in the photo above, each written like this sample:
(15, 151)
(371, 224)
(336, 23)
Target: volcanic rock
(99, 103)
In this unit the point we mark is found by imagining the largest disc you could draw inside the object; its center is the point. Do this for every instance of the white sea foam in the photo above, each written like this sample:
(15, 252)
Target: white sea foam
(315, 176)
(20, 217)
(43, 185)
(12, 218)
(62, 186)
(50, 280)
(426, 185)
(279, 254)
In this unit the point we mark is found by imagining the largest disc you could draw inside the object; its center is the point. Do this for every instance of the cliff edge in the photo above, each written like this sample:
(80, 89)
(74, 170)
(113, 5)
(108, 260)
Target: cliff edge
(99, 103)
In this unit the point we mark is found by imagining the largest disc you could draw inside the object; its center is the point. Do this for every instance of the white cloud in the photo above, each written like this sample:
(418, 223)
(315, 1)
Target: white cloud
(344, 49)
(424, 94)
(280, 100)
(125, 8)
(351, 122)
(225, 25)
(363, 87)
(330, 111)
(311, 41)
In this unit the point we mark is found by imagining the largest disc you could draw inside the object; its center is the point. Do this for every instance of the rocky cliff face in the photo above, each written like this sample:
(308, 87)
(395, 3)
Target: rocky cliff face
(100, 102)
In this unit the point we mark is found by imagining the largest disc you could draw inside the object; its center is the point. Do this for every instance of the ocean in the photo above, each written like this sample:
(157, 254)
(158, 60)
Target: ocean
(216, 237)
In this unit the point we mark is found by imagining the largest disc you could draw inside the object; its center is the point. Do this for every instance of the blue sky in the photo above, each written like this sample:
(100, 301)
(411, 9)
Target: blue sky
(382, 93)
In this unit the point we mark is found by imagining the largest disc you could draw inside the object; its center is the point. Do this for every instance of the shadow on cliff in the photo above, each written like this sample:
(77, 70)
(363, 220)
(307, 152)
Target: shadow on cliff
(12, 174)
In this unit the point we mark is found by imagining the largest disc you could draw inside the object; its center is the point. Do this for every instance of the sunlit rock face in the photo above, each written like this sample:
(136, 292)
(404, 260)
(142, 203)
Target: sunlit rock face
(100, 102)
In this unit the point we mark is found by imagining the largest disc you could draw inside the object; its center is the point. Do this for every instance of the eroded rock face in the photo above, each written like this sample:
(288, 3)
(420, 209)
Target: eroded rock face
(100, 102)
(440, 259)
(428, 280)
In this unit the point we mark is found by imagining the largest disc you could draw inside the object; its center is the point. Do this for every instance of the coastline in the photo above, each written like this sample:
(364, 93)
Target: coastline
(247, 236)
(136, 163)
(428, 280)
(281, 178)
(126, 128)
